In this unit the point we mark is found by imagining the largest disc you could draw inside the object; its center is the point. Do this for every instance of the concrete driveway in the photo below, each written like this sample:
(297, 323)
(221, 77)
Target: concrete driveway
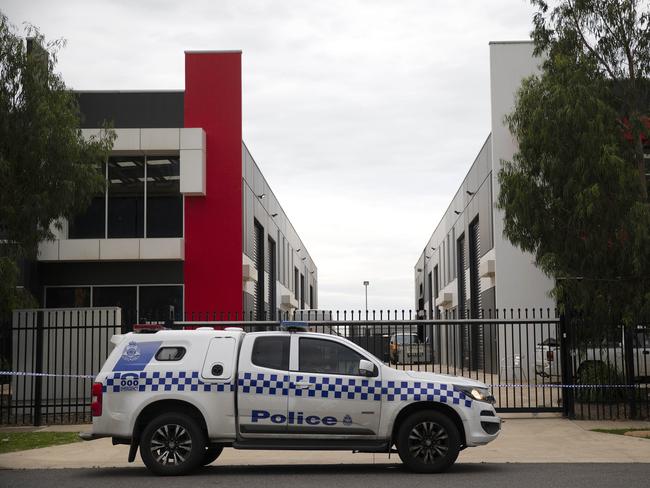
(539, 440)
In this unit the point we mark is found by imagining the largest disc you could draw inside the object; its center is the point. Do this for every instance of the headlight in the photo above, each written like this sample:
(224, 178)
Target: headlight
(478, 394)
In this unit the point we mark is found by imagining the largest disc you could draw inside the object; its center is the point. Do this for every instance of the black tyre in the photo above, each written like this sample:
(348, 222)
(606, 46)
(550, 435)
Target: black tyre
(211, 454)
(172, 444)
(428, 442)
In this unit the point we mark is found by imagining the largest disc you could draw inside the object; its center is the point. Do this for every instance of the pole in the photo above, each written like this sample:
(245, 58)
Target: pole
(365, 284)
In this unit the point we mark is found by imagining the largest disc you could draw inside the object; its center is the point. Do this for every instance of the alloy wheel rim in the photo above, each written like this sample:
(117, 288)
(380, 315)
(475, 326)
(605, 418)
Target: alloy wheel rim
(171, 444)
(428, 441)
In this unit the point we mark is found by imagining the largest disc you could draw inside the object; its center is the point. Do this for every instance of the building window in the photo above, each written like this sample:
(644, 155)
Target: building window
(161, 302)
(67, 297)
(124, 297)
(295, 283)
(126, 197)
(138, 302)
(164, 199)
(143, 199)
(92, 223)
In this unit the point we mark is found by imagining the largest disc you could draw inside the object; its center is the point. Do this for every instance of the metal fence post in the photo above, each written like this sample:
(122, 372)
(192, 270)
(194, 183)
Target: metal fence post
(628, 351)
(566, 343)
(38, 368)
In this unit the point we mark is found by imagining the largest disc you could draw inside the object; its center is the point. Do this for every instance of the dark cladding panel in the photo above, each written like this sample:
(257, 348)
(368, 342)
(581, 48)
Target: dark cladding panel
(113, 273)
(131, 109)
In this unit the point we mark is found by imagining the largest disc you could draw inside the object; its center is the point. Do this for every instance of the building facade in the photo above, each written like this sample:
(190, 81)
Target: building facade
(187, 224)
(468, 269)
(468, 265)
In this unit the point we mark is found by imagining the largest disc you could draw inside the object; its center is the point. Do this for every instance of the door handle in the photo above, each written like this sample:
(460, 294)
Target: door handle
(302, 385)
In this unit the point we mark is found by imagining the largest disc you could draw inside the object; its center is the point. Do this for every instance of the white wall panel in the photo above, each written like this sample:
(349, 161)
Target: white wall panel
(127, 140)
(79, 249)
(119, 249)
(160, 139)
(167, 248)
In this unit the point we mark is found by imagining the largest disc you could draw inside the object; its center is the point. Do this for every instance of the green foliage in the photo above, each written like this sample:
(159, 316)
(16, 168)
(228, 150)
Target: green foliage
(572, 194)
(47, 170)
(599, 373)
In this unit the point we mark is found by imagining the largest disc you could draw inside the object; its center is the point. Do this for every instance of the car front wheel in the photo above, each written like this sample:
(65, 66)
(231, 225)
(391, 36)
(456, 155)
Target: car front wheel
(428, 442)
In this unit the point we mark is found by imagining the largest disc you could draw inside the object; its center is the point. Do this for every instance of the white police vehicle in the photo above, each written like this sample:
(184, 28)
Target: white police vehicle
(182, 396)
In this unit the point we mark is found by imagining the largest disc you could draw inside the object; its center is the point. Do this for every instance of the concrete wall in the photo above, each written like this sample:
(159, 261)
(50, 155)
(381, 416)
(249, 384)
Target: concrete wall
(519, 283)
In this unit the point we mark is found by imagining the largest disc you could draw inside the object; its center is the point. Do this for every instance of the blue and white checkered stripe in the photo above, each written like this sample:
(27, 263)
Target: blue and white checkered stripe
(162, 381)
(262, 384)
(280, 385)
(351, 389)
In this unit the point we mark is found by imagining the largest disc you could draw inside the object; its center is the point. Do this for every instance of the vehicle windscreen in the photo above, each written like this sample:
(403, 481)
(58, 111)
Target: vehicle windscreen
(407, 339)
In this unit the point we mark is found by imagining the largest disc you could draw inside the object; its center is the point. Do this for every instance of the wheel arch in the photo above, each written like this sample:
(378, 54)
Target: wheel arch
(155, 408)
(412, 408)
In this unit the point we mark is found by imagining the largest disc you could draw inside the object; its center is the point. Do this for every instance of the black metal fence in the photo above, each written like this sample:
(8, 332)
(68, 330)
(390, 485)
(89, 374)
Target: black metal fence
(533, 360)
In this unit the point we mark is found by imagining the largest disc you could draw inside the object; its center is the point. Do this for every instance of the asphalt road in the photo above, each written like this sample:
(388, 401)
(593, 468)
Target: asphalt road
(350, 475)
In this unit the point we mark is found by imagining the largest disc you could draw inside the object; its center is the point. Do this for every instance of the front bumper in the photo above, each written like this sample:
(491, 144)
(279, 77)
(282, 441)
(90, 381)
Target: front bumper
(483, 426)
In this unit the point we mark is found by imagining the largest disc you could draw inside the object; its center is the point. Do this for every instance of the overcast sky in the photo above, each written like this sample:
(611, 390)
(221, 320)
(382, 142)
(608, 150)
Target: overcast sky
(363, 116)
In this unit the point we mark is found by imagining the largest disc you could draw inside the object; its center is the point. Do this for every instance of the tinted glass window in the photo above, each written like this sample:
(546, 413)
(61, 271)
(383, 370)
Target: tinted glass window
(118, 296)
(158, 302)
(170, 354)
(126, 197)
(328, 357)
(90, 224)
(164, 200)
(271, 352)
(66, 297)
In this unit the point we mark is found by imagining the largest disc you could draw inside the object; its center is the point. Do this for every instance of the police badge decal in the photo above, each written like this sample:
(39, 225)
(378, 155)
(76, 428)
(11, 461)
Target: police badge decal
(131, 352)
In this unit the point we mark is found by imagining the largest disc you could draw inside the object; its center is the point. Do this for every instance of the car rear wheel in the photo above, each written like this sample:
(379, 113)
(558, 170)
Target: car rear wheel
(428, 442)
(172, 444)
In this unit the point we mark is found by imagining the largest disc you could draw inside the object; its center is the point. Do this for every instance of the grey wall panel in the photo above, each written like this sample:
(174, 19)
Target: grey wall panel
(279, 228)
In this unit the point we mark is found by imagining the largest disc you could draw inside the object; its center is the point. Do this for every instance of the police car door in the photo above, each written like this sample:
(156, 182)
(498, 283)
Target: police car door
(263, 386)
(328, 395)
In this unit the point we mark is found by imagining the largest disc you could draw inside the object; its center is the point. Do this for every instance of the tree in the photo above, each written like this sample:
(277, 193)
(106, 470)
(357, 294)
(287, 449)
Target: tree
(47, 170)
(575, 193)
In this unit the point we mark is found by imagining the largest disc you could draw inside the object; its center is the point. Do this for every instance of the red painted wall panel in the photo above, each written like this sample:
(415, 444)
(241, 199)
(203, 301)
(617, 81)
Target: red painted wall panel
(213, 223)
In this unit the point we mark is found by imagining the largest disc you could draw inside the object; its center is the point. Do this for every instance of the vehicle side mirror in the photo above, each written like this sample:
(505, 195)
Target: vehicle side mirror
(366, 368)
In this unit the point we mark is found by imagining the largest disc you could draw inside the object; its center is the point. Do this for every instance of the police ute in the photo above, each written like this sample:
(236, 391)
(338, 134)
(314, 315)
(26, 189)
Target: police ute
(182, 396)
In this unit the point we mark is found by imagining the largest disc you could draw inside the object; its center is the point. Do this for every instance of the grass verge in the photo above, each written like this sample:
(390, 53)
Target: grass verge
(21, 441)
(619, 431)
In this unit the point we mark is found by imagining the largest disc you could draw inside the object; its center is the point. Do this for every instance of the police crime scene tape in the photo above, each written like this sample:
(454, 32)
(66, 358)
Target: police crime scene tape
(48, 375)
(505, 385)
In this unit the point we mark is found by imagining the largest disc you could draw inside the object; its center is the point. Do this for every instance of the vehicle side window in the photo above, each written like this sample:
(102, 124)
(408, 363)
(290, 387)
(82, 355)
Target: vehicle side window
(327, 357)
(271, 352)
(170, 354)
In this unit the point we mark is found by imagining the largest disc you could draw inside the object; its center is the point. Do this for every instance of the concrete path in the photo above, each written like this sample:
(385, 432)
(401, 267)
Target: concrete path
(541, 440)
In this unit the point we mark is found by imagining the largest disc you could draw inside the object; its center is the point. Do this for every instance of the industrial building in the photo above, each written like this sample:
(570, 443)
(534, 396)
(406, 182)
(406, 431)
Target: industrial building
(187, 224)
